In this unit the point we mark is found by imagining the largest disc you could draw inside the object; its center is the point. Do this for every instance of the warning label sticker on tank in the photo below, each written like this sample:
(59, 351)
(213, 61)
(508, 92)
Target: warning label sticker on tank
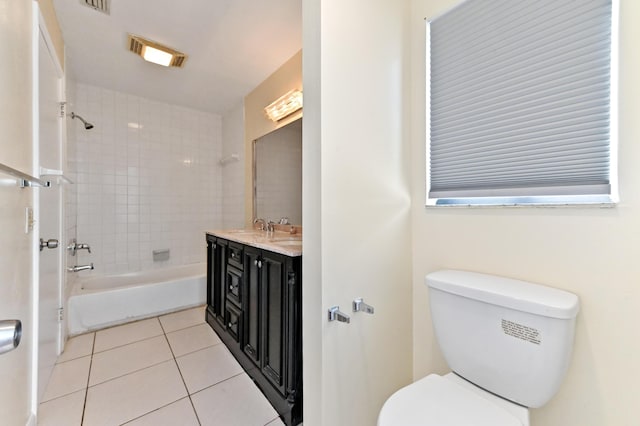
(520, 331)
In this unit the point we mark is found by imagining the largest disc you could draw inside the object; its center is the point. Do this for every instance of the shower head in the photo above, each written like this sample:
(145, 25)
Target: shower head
(87, 125)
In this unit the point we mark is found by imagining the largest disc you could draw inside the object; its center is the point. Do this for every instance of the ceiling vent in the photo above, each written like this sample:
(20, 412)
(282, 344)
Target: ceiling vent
(99, 5)
(155, 52)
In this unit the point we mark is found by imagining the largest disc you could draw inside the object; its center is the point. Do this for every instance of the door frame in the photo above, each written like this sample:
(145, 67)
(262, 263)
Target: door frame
(39, 29)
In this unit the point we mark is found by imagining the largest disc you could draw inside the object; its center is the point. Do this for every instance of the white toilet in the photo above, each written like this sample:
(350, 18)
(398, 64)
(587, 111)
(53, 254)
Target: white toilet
(508, 343)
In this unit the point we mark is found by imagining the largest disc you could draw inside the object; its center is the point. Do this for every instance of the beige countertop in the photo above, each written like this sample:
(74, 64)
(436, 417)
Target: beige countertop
(277, 241)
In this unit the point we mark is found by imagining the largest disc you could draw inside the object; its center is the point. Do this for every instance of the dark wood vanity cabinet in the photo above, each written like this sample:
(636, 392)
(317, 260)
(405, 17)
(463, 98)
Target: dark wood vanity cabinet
(216, 277)
(262, 320)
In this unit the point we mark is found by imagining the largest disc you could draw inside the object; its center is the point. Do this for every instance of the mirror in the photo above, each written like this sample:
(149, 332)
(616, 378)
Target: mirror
(277, 174)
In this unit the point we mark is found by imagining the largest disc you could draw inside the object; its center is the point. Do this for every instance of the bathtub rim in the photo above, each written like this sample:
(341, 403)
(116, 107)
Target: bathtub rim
(147, 275)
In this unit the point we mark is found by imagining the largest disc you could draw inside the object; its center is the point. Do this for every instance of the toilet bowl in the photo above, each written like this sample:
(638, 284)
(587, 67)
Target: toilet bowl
(449, 401)
(508, 342)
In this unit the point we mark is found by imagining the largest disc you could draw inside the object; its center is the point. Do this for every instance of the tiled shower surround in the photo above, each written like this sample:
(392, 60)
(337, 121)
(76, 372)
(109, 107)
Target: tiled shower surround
(147, 178)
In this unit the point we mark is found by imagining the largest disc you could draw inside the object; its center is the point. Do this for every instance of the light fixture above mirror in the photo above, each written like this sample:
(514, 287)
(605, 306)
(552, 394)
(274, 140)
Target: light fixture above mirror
(284, 106)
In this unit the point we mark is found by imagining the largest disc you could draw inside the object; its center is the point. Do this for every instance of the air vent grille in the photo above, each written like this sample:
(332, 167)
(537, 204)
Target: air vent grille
(99, 5)
(137, 44)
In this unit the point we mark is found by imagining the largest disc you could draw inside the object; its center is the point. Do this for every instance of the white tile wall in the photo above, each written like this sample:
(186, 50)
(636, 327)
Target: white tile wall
(70, 191)
(147, 178)
(233, 173)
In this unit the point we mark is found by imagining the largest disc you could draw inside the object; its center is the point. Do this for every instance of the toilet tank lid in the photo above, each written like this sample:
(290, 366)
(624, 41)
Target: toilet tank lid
(510, 293)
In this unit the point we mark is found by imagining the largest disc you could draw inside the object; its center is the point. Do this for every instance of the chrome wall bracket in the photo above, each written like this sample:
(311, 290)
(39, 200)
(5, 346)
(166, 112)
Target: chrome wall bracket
(336, 315)
(360, 306)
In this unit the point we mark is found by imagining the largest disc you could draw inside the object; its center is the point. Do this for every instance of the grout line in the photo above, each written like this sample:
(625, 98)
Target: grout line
(130, 372)
(221, 381)
(153, 411)
(184, 328)
(60, 396)
(198, 350)
(86, 389)
(138, 340)
(181, 376)
(125, 344)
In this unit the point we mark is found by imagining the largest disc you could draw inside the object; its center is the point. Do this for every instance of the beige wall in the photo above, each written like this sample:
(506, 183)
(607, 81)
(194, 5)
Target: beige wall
(589, 251)
(53, 27)
(16, 368)
(256, 123)
(356, 207)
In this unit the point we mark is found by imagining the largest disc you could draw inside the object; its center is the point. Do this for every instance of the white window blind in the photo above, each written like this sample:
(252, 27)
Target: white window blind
(520, 102)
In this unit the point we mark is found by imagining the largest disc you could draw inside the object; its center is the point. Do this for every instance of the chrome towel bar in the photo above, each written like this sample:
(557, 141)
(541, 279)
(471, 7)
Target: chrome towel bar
(24, 180)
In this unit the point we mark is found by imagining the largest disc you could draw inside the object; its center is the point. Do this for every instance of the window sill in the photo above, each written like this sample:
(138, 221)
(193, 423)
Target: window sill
(582, 201)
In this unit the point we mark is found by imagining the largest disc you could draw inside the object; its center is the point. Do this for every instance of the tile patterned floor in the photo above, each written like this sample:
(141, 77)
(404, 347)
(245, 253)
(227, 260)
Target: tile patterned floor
(169, 370)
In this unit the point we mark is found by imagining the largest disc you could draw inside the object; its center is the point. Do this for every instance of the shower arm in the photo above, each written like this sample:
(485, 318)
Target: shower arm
(87, 125)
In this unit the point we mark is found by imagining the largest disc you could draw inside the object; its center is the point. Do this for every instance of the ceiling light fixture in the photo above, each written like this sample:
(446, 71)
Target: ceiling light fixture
(284, 106)
(156, 53)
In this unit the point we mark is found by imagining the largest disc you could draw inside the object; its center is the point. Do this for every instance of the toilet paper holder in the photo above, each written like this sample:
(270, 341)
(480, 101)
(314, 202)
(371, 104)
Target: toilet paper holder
(10, 335)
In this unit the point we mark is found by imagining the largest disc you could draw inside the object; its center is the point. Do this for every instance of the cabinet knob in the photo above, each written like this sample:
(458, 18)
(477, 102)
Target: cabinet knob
(233, 255)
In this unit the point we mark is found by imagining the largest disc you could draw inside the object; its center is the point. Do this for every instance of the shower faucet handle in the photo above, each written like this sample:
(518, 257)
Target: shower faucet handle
(73, 247)
(83, 246)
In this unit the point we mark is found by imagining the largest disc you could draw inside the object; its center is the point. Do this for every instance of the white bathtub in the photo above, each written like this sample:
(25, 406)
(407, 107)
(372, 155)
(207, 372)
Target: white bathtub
(103, 301)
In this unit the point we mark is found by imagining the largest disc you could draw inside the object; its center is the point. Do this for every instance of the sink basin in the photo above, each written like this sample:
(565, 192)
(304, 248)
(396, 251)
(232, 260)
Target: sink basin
(242, 231)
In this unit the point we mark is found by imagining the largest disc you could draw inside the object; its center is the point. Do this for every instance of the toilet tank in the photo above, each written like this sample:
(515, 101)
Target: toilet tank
(510, 337)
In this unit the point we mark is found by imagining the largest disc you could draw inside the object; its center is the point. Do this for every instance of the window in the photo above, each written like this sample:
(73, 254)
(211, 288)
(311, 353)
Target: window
(521, 103)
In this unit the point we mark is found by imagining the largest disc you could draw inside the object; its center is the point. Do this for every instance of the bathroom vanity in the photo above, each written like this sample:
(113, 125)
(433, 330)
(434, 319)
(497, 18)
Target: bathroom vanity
(254, 303)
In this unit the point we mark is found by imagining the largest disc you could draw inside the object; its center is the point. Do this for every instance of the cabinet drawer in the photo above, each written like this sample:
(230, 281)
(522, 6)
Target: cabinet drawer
(233, 318)
(235, 255)
(233, 285)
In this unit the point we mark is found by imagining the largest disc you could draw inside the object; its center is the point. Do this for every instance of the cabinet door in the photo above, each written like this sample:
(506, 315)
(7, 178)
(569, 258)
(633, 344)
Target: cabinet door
(274, 318)
(218, 281)
(293, 329)
(210, 270)
(251, 309)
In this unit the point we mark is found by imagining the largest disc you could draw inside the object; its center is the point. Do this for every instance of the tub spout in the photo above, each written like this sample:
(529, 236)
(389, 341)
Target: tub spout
(79, 268)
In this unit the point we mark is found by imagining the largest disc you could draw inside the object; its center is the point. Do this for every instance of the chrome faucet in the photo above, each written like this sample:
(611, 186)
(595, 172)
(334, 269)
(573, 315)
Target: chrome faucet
(73, 247)
(263, 224)
(271, 226)
(79, 268)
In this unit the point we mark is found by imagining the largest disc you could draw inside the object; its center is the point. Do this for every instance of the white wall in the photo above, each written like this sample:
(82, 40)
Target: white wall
(148, 188)
(356, 207)
(16, 368)
(589, 251)
(233, 172)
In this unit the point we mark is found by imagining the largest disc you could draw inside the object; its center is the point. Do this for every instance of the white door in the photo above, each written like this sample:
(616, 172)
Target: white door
(49, 212)
(16, 276)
